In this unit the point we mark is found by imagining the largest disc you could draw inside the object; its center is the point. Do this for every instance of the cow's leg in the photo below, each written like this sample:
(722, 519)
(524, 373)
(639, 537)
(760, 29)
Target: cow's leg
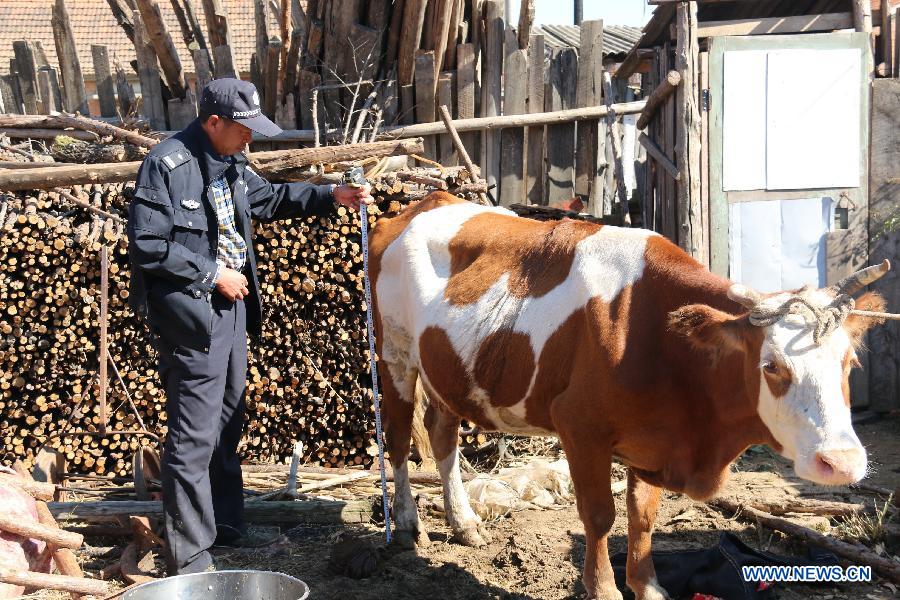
(398, 387)
(643, 502)
(590, 464)
(443, 431)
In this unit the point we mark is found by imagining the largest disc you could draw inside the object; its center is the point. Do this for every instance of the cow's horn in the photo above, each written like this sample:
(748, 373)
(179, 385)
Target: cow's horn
(744, 295)
(853, 283)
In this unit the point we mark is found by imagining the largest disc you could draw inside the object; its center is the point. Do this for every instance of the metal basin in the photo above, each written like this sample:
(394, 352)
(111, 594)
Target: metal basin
(222, 585)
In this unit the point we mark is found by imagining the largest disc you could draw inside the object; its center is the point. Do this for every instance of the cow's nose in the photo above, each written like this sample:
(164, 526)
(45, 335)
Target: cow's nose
(841, 465)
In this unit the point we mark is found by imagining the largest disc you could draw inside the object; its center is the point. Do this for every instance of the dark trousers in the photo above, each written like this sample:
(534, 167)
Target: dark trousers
(201, 470)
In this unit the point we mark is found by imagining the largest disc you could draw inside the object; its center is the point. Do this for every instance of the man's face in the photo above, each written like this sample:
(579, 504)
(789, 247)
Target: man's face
(226, 136)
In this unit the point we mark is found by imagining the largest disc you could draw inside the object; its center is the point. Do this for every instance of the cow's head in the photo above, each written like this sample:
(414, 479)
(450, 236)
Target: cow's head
(799, 349)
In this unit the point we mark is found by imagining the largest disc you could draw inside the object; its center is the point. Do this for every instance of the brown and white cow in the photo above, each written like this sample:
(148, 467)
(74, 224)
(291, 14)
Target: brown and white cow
(615, 341)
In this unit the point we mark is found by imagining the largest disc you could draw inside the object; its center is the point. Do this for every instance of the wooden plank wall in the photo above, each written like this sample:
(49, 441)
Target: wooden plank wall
(884, 242)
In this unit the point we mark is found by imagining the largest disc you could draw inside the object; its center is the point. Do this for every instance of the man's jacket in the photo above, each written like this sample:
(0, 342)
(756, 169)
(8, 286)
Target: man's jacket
(173, 232)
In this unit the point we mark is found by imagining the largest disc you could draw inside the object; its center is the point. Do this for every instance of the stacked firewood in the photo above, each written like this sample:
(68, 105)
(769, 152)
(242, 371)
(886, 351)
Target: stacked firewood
(308, 377)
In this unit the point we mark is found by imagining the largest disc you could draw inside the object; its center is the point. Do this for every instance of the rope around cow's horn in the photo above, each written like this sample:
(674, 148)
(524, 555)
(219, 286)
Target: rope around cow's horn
(827, 320)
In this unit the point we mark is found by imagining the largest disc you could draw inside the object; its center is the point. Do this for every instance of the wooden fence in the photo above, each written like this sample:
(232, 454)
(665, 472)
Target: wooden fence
(340, 71)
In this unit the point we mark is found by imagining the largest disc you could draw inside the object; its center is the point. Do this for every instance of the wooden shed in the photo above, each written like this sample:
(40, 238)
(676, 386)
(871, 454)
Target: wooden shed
(769, 164)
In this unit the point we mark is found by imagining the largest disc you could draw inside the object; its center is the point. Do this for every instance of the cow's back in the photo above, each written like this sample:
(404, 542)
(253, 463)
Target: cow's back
(492, 309)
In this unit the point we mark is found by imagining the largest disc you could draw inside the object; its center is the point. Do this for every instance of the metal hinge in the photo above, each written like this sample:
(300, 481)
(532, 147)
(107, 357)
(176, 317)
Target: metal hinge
(704, 100)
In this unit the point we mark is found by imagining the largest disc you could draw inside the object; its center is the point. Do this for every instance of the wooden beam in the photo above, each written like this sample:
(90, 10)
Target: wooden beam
(163, 45)
(81, 123)
(39, 531)
(659, 156)
(687, 145)
(122, 12)
(529, 120)
(775, 25)
(201, 68)
(658, 97)
(48, 581)
(443, 15)
(461, 150)
(292, 511)
(74, 97)
(535, 172)
(103, 77)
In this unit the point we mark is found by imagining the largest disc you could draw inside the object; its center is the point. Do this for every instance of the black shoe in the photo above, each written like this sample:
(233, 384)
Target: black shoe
(254, 537)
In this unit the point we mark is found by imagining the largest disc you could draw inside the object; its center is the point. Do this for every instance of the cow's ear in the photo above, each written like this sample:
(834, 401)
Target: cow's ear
(857, 325)
(709, 329)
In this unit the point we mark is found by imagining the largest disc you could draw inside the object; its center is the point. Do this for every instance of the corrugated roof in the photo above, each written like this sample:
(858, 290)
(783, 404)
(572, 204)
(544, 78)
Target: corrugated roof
(93, 23)
(617, 39)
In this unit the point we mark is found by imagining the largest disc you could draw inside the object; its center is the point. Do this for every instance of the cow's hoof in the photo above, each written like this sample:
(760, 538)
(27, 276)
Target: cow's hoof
(470, 536)
(407, 539)
(607, 593)
(651, 591)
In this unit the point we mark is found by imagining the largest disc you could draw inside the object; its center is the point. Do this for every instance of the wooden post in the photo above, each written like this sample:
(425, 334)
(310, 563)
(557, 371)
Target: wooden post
(191, 29)
(74, 97)
(201, 65)
(223, 57)
(127, 101)
(512, 163)
(445, 98)
(587, 94)
(163, 45)
(105, 90)
(862, 20)
(148, 72)
(526, 20)
(884, 242)
(659, 156)
(561, 138)
(669, 192)
(410, 38)
(262, 37)
(689, 216)
(491, 84)
(658, 97)
(121, 10)
(461, 150)
(612, 126)
(443, 14)
(465, 92)
(425, 88)
(393, 33)
(704, 155)
(9, 92)
(535, 170)
(219, 37)
(270, 74)
(308, 80)
(27, 71)
(48, 83)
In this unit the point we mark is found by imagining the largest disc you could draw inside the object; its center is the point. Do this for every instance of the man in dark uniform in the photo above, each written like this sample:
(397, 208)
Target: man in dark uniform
(193, 276)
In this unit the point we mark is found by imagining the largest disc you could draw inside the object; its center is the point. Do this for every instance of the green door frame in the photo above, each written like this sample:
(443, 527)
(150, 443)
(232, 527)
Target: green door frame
(847, 249)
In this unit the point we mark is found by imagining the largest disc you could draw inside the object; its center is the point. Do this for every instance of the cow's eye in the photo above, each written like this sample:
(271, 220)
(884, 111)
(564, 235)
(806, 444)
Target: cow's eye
(770, 367)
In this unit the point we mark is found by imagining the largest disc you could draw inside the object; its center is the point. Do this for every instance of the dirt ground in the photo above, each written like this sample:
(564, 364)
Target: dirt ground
(537, 554)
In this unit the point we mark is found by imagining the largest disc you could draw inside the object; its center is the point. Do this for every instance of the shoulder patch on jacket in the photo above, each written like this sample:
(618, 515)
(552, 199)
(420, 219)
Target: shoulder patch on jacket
(176, 158)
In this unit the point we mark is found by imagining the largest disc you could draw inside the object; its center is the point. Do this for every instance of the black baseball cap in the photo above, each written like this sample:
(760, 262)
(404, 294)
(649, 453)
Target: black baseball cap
(239, 101)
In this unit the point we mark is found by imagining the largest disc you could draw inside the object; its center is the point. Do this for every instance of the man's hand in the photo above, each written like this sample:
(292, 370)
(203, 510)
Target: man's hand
(352, 197)
(232, 285)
